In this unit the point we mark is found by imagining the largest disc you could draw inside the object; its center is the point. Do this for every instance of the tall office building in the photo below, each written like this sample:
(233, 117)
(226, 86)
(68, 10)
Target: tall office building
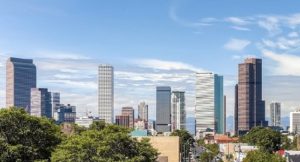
(122, 120)
(20, 78)
(130, 112)
(178, 118)
(251, 107)
(275, 111)
(106, 93)
(163, 109)
(209, 109)
(66, 113)
(143, 111)
(55, 104)
(40, 102)
(295, 122)
(224, 115)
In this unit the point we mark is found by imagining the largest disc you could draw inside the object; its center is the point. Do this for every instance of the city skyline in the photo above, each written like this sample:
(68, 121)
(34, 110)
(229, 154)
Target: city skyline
(145, 60)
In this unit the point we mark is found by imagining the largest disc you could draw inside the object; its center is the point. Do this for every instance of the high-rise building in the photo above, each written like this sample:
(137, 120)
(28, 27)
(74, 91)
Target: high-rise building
(209, 107)
(106, 93)
(143, 111)
(66, 113)
(236, 106)
(275, 111)
(130, 112)
(224, 115)
(122, 120)
(295, 122)
(163, 109)
(40, 102)
(251, 107)
(55, 104)
(178, 118)
(20, 78)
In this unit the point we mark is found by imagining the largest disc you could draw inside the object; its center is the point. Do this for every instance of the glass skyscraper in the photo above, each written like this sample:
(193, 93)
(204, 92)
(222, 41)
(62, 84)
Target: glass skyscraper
(41, 102)
(20, 78)
(209, 108)
(275, 113)
(163, 109)
(106, 93)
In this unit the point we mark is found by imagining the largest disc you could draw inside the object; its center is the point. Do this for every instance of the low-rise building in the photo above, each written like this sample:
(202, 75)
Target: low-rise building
(85, 121)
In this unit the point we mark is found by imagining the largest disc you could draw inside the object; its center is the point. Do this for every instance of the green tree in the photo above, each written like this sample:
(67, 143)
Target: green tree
(185, 138)
(261, 156)
(97, 125)
(265, 138)
(26, 138)
(110, 144)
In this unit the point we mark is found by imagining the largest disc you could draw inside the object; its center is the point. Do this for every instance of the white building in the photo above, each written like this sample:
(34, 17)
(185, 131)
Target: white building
(178, 119)
(209, 108)
(106, 93)
(275, 111)
(143, 111)
(85, 121)
(295, 122)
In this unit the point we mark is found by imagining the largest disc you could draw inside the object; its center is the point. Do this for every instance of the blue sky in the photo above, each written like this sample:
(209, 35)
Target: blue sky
(152, 43)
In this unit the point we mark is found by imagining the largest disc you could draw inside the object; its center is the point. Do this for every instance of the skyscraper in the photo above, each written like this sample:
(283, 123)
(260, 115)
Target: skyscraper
(55, 104)
(295, 122)
(41, 102)
(66, 113)
(143, 111)
(178, 118)
(122, 120)
(130, 112)
(106, 93)
(163, 109)
(209, 109)
(20, 78)
(251, 107)
(275, 111)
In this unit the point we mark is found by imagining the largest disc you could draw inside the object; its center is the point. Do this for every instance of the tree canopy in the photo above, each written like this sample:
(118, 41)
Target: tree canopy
(26, 138)
(265, 138)
(259, 156)
(111, 143)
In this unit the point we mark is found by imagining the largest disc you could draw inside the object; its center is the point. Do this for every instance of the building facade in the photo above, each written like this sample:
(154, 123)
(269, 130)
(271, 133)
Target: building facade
(178, 118)
(41, 102)
(143, 111)
(66, 113)
(295, 122)
(251, 107)
(55, 103)
(275, 113)
(209, 108)
(106, 93)
(122, 120)
(163, 109)
(130, 112)
(20, 78)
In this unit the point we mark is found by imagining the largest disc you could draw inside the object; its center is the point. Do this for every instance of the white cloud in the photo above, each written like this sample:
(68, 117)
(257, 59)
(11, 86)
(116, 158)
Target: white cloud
(58, 55)
(282, 43)
(236, 44)
(293, 35)
(165, 65)
(270, 23)
(237, 21)
(240, 28)
(287, 64)
(72, 83)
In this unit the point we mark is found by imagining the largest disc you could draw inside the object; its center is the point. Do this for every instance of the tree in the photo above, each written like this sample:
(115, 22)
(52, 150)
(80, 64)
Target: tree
(97, 125)
(110, 144)
(265, 138)
(184, 140)
(261, 156)
(26, 138)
